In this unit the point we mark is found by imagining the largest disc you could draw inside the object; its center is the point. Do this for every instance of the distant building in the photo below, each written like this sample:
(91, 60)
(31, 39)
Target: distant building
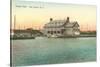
(26, 33)
(61, 28)
(23, 33)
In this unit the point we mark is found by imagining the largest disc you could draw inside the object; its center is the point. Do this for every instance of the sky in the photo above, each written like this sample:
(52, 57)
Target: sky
(32, 14)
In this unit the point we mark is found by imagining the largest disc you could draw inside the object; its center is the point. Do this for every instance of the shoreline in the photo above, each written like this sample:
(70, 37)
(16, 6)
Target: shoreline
(25, 38)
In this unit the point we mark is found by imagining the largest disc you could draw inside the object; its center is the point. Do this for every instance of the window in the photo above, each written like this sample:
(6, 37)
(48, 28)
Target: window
(55, 32)
(51, 32)
(58, 31)
(48, 31)
(62, 31)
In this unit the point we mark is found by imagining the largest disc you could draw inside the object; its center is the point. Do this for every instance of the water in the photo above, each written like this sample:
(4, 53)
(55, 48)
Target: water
(53, 50)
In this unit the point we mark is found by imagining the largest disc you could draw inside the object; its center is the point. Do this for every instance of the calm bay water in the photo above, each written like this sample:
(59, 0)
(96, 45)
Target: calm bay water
(53, 50)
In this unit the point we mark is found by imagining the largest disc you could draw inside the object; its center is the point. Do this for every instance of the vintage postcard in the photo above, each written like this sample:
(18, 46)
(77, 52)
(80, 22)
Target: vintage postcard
(52, 33)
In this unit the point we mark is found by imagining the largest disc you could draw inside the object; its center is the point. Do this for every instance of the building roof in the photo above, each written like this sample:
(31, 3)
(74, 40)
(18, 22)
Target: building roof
(60, 23)
(22, 31)
(72, 24)
(27, 31)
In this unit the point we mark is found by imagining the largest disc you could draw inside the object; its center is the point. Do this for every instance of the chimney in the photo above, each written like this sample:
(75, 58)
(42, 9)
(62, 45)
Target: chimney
(51, 19)
(68, 20)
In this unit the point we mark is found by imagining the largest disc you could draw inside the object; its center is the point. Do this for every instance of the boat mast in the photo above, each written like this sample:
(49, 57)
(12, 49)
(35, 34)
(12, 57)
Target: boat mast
(14, 22)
